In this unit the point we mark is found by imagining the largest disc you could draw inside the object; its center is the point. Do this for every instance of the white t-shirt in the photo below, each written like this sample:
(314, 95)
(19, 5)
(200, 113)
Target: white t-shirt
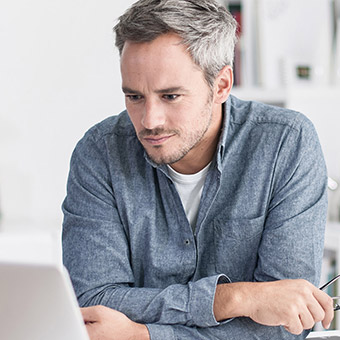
(190, 188)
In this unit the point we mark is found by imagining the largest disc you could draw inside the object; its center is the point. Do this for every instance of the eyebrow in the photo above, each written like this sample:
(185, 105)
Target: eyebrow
(128, 90)
(174, 89)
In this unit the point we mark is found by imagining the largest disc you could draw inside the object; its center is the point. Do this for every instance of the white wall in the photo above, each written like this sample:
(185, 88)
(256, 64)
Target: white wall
(59, 74)
(322, 106)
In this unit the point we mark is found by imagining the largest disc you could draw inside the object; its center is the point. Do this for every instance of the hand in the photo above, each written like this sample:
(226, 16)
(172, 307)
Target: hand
(103, 323)
(294, 304)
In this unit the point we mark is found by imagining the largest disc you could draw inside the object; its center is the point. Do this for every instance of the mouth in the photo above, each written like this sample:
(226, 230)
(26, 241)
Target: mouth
(157, 140)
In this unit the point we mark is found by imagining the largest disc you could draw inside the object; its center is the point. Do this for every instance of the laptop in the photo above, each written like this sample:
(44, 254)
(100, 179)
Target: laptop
(325, 335)
(37, 302)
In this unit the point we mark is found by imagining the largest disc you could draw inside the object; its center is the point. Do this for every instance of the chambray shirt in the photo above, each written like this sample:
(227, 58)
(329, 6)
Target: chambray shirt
(128, 244)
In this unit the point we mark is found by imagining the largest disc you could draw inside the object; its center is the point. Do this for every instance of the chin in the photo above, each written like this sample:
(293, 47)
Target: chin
(165, 159)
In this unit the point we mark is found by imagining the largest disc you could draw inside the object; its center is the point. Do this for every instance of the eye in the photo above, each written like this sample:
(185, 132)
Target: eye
(134, 97)
(171, 97)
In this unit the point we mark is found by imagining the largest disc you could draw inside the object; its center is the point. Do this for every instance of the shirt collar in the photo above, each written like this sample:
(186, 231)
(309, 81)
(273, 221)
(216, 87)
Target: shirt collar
(221, 146)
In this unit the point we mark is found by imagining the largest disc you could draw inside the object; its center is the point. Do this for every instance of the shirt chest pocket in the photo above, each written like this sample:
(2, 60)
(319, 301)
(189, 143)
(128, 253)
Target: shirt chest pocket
(236, 246)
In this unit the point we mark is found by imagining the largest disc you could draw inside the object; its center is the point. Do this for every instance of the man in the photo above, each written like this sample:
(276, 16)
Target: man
(193, 214)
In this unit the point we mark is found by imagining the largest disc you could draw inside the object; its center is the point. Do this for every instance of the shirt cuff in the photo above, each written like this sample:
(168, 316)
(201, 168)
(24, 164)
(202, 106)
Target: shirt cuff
(202, 300)
(160, 332)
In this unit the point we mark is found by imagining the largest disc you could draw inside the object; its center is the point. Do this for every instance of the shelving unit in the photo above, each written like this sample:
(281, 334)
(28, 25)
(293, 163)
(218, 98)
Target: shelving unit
(275, 97)
(281, 42)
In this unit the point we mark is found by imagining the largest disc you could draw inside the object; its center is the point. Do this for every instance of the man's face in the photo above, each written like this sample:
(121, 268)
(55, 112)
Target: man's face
(168, 100)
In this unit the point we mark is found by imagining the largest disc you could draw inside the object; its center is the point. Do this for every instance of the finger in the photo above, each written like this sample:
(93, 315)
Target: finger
(317, 311)
(329, 314)
(326, 303)
(307, 318)
(294, 326)
(326, 322)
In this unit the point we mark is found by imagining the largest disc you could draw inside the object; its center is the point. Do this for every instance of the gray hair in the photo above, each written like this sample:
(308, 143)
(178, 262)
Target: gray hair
(206, 28)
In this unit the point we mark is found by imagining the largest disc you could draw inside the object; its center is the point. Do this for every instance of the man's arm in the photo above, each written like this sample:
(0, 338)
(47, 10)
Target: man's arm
(294, 304)
(242, 298)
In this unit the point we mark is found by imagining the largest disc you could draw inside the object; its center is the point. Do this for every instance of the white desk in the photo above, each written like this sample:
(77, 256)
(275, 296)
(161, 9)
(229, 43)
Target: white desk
(327, 335)
(30, 246)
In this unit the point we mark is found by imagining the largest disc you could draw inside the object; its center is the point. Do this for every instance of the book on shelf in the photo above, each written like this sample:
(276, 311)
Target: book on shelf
(236, 11)
(245, 50)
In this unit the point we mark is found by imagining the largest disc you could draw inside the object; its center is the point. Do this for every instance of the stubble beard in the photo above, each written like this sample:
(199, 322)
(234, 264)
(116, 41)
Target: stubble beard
(188, 142)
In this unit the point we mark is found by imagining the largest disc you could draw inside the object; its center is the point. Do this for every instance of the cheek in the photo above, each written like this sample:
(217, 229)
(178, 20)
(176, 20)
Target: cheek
(189, 115)
(135, 117)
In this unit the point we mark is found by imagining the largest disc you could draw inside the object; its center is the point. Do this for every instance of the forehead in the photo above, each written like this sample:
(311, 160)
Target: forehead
(162, 45)
(164, 55)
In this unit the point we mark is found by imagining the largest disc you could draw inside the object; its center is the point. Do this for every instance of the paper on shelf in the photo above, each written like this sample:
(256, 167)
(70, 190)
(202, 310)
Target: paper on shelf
(294, 33)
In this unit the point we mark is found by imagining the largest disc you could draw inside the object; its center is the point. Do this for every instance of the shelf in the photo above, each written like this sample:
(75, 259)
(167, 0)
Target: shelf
(277, 96)
(281, 96)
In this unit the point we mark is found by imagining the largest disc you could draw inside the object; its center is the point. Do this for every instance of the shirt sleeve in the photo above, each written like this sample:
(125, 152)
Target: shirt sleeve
(97, 255)
(293, 239)
(239, 328)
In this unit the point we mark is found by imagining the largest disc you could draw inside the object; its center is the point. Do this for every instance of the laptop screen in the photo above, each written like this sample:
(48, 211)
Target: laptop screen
(38, 303)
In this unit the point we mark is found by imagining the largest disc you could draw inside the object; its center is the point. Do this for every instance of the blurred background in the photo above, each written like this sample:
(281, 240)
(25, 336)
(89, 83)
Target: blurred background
(59, 75)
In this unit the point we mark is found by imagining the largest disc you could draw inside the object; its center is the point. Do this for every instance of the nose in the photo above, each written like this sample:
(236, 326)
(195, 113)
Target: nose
(153, 115)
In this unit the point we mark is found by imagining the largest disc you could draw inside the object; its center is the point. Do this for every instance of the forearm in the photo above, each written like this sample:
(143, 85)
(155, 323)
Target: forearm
(190, 304)
(101, 320)
(294, 304)
(269, 310)
(267, 305)
(238, 328)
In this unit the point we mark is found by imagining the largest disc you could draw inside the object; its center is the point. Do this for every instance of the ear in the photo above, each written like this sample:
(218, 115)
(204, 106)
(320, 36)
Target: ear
(223, 84)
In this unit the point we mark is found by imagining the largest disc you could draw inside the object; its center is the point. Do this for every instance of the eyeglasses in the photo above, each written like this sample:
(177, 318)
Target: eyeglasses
(336, 306)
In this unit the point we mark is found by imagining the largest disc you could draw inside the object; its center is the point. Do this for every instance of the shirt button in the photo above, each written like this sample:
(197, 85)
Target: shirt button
(187, 242)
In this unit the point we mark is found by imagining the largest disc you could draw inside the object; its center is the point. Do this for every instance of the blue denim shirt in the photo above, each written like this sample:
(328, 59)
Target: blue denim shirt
(128, 244)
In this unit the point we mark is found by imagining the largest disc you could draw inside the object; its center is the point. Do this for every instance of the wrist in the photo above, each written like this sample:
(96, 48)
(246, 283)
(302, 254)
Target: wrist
(141, 332)
(231, 300)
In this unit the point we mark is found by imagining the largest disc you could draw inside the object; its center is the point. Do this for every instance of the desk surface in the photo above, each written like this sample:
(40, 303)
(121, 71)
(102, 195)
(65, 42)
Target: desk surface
(327, 335)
